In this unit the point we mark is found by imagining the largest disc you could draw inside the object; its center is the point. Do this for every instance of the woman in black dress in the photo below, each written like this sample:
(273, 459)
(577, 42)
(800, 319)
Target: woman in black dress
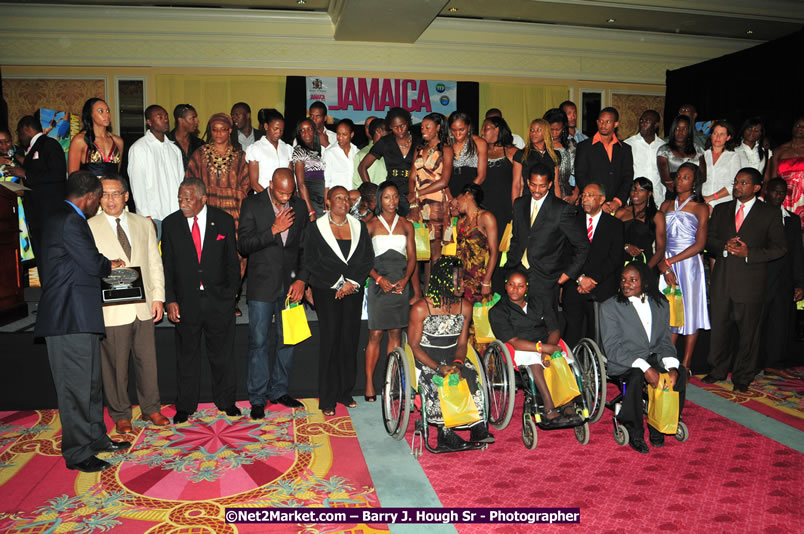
(643, 225)
(337, 259)
(397, 150)
(470, 153)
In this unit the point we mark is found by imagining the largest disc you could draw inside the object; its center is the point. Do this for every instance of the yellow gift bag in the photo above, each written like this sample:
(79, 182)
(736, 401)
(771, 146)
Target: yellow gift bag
(457, 405)
(480, 318)
(505, 242)
(674, 297)
(663, 406)
(294, 323)
(451, 236)
(422, 236)
(560, 380)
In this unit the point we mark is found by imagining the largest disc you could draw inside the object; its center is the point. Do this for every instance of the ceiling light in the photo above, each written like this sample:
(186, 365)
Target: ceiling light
(610, 21)
(301, 2)
(453, 10)
(749, 32)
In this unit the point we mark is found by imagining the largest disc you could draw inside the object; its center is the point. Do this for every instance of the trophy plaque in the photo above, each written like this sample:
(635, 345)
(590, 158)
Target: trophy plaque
(123, 286)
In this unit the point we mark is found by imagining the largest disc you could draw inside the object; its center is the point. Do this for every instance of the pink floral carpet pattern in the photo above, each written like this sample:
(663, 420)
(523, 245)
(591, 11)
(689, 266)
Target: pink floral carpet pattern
(178, 479)
(779, 398)
(725, 478)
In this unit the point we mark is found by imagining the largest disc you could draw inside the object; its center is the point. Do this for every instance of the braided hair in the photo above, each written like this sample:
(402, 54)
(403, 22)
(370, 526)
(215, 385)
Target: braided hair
(441, 287)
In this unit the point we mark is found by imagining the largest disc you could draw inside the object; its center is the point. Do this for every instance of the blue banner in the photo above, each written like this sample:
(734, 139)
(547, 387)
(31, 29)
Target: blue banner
(359, 98)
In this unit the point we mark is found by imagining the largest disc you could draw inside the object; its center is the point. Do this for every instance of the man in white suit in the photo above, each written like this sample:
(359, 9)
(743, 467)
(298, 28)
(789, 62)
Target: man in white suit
(130, 327)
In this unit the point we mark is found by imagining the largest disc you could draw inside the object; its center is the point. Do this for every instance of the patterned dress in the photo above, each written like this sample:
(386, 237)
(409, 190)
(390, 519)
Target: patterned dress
(429, 165)
(226, 179)
(792, 170)
(439, 339)
(99, 164)
(473, 251)
(313, 176)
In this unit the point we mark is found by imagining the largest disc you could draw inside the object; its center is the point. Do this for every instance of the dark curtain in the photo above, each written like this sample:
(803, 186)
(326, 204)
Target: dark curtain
(764, 80)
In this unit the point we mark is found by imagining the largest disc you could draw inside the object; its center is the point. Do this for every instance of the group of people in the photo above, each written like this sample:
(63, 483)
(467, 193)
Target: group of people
(547, 223)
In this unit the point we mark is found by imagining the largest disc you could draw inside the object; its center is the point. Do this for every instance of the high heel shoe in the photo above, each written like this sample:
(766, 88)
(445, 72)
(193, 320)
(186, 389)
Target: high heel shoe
(370, 398)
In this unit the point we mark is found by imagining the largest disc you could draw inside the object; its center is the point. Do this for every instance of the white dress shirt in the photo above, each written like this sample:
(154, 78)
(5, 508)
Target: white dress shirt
(123, 222)
(269, 158)
(646, 318)
(202, 224)
(749, 157)
(33, 141)
(338, 167)
(720, 174)
(748, 205)
(644, 154)
(155, 170)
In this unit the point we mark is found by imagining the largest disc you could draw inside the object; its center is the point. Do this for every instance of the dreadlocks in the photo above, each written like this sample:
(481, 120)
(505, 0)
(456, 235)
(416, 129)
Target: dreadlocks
(441, 288)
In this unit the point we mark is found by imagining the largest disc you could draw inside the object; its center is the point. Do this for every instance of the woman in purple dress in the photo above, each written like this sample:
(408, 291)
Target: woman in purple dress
(687, 217)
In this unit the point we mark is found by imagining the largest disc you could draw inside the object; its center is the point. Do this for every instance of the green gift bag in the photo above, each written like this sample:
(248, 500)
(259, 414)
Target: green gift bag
(560, 380)
(457, 405)
(674, 297)
(422, 237)
(294, 323)
(480, 318)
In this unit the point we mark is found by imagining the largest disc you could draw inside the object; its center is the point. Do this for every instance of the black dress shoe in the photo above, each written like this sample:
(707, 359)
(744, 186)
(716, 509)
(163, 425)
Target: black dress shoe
(233, 411)
(449, 441)
(180, 417)
(709, 379)
(639, 445)
(93, 464)
(115, 446)
(741, 388)
(480, 434)
(656, 438)
(287, 400)
(257, 412)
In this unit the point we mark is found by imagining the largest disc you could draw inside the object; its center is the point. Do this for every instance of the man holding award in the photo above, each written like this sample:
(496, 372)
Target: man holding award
(129, 314)
(70, 319)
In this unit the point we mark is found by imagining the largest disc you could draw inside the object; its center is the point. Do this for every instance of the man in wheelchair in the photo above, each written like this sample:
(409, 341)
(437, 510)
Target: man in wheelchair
(532, 330)
(437, 334)
(635, 332)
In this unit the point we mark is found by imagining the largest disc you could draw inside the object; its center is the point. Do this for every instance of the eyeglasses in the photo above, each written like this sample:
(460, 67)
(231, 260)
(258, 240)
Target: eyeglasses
(112, 194)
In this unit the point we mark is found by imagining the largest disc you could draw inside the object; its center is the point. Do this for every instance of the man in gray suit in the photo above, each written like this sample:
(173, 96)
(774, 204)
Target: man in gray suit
(635, 331)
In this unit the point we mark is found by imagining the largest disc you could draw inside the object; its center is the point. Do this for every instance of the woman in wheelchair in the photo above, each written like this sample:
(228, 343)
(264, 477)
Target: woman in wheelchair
(437, 334)
(532, 330)
(635, 331)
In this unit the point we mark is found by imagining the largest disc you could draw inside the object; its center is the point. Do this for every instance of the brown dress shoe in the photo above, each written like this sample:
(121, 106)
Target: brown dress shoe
(158, 419)
(123, 426)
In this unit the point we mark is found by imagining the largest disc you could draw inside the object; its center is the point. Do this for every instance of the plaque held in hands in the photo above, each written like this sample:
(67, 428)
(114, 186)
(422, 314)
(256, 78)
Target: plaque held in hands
(123, 286)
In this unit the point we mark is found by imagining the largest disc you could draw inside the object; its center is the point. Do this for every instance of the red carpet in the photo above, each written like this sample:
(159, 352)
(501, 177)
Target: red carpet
(176, 479)
(776, 397)
(726, 478)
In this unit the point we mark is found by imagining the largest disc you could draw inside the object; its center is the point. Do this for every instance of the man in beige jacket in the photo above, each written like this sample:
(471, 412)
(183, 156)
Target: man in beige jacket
(130, 327)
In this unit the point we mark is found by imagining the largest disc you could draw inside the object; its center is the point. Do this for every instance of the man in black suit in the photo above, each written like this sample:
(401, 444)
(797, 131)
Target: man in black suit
(270, 235)
(606, 160)
(598, 280)
(45, 174)
(785, 287)
(744, 235)
(70, 319)
(542, 226)
(202, 275)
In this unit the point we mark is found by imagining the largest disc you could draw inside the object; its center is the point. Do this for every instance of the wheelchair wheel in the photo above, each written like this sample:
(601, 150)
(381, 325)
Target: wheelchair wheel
(620, 435)
(582, 433)
(501, 384)
(682, 432)
(396, 394)
(593, 375)
(529, 436)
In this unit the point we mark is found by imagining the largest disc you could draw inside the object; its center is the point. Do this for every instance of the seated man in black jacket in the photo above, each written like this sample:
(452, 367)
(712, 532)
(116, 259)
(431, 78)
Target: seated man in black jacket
(532, 330)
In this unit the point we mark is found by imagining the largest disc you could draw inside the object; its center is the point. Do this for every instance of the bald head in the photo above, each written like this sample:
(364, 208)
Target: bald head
(282, 186)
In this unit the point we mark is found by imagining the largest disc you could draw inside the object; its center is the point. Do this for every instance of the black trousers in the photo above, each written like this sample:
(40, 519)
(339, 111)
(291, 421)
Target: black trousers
(215, 321)
(631, 411)
(778, 325)
(76, 367)
(748, 318)
(579, 312)
(339, 324)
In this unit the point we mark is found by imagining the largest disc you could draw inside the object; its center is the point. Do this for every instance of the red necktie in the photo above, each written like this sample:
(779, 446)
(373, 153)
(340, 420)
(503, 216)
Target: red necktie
(738, 219)
(197, 238)
(590, 231)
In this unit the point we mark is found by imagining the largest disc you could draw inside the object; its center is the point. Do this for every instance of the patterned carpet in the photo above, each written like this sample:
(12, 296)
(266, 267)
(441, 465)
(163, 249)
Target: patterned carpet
(724, 479)
(779, 398)
(180, 479)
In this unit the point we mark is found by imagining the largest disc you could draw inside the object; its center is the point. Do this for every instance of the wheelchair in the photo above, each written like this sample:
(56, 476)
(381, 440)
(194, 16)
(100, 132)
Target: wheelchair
(592, 348)
(400, 396)
(498, 365)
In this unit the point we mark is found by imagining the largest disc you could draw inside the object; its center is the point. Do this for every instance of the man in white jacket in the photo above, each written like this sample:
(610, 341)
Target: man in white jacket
(155, 169)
